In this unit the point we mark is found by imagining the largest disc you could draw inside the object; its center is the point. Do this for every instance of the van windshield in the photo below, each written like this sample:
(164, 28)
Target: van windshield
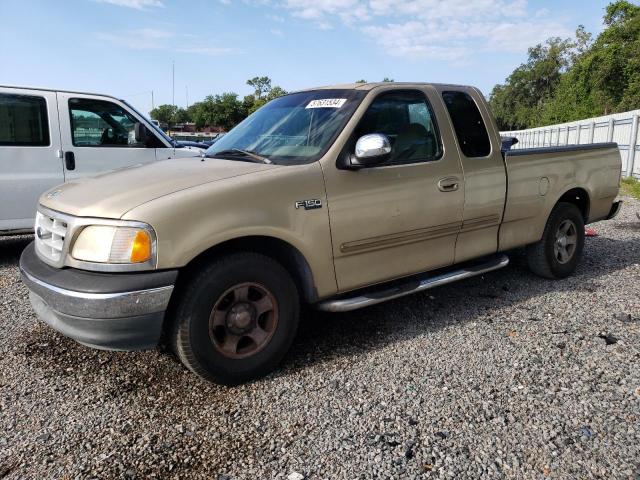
(295, 128)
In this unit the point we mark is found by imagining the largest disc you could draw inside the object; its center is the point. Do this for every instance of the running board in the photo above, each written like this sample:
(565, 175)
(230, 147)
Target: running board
(419, 285)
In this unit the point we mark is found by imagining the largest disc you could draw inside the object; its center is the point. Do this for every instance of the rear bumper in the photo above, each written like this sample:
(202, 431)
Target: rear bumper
(101, 310)
(615, 209)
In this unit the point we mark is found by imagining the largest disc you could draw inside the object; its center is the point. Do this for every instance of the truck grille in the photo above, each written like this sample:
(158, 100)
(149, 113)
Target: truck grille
(50, 235)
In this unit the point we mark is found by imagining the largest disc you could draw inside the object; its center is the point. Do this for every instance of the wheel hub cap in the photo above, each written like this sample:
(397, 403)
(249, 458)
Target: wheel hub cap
(243, 320)
(240, 317)
(566, 240)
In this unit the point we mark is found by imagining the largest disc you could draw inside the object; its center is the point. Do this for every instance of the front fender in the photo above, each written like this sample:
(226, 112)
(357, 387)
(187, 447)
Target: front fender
(192, 221)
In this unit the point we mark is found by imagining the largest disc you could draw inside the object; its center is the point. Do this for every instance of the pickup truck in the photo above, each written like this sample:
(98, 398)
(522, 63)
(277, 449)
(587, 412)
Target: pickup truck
(337, 197)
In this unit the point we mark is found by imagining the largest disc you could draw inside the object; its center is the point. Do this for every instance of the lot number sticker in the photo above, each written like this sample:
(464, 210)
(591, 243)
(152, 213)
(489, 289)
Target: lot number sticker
(327, 103)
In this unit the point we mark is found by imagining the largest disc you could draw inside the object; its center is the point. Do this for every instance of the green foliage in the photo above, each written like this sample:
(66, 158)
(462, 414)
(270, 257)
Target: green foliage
(225, 110)
(630, 186)
(571, 79)
(164, 113)
(520, 102)
(255, 101)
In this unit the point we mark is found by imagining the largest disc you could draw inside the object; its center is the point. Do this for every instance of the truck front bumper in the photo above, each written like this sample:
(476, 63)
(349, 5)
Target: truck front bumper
(111, 311)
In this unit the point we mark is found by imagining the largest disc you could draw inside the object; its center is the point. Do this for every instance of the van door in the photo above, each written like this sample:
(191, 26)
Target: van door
(99, 134)
(30, 157)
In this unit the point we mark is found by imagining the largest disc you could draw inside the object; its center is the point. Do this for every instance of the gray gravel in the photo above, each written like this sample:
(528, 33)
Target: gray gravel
(505, 376)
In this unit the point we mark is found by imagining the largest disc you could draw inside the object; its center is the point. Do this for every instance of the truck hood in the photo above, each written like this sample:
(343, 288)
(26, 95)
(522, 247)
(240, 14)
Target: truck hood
(112, 194)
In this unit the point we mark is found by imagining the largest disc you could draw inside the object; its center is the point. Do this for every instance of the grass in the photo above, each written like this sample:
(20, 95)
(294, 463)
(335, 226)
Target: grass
(631, 187)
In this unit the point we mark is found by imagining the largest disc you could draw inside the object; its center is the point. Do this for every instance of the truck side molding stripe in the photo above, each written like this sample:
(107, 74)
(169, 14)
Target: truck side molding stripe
(480, 222)
(402, 238)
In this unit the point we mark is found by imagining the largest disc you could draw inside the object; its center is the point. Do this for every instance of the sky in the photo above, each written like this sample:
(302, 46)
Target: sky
(126, 48)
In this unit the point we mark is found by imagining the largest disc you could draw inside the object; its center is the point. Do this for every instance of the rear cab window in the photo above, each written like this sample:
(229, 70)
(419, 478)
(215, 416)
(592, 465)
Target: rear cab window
(23, 121)
(468, 124)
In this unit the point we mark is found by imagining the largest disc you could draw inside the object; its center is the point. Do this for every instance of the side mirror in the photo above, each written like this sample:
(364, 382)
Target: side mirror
(508, 142)
(371, 150)
(140, 133)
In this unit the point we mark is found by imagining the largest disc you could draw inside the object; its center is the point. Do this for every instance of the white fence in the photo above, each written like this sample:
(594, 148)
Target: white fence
(621, 128)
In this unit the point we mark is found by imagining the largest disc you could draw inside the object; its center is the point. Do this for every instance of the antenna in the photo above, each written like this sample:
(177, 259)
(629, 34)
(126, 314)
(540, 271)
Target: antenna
(173, 82)
(152, 106)
(186, 91)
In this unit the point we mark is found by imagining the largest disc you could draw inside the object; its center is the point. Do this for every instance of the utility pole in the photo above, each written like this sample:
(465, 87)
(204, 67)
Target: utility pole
(152, 106)
(173, 82)
(186, 90)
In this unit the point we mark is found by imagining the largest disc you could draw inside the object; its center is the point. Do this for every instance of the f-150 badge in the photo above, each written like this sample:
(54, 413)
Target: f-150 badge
(309, 204)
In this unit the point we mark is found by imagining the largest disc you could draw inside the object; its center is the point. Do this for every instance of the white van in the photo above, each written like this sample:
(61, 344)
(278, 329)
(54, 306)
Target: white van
(48, 137)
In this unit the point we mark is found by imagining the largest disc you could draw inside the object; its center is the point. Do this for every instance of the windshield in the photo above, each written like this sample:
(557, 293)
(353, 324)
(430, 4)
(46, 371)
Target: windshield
(295, 128)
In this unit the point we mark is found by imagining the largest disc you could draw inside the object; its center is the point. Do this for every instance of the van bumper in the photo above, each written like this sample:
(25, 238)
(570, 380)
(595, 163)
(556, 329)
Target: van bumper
(109, 311)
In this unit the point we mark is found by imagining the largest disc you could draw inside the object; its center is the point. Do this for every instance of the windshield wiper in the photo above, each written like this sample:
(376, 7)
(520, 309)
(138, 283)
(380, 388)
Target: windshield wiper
(244, 153)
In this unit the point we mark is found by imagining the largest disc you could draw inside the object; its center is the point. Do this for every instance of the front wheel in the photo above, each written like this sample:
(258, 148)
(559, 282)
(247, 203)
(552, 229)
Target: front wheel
(557, 254)
(236, 319)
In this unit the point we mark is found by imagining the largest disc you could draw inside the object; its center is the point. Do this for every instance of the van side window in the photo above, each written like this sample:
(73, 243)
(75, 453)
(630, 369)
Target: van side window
(406, 118)
(468, 124)
(23, 121)
(98, 123)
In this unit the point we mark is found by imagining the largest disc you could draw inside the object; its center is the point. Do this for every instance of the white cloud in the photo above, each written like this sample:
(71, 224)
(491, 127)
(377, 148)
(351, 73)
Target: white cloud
(324, 12)
(277, 32)
(155, 39)
(518, 36)
(451, 30)
(137, 4)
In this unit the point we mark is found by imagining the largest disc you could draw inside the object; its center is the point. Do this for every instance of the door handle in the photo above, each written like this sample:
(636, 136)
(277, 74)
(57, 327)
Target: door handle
(448, 184)
(69, 160)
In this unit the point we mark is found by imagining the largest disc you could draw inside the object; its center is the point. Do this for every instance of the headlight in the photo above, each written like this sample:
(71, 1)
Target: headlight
(114, 244)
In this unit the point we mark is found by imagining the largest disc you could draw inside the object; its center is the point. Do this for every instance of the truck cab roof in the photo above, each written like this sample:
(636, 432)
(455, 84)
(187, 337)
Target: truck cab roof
(371, 85)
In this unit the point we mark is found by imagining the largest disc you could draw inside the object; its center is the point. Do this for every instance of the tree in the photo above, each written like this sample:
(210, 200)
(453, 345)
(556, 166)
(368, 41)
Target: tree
(605, 77)
(224, 111)
(164, 113)
(263, 93)
(170, 114)
(571, 79)
(519, 102)
(261, 86)
(180, 116)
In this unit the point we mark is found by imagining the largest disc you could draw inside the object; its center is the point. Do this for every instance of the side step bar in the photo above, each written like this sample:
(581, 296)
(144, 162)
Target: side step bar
(379, 296)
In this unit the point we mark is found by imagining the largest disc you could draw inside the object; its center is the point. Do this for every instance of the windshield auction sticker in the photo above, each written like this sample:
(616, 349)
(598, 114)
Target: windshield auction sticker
(327, 103)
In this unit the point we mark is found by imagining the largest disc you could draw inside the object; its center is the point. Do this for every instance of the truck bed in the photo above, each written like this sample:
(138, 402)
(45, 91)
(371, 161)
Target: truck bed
(537, 177)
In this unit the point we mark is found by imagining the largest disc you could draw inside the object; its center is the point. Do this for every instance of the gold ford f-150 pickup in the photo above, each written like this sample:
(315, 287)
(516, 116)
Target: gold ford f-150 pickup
(338, 197)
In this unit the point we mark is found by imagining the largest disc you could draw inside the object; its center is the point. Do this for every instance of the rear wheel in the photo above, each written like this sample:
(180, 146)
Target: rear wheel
(236, 319)
(557, 254)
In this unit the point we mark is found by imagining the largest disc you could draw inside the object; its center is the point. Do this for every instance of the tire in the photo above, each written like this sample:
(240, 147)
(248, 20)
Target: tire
(223, 329)
(550, 258)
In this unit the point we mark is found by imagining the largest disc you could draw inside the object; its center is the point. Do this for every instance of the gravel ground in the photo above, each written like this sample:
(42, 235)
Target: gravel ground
(502, 376)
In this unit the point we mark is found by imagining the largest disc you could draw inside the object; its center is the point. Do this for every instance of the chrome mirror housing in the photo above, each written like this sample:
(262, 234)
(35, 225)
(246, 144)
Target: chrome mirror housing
(371, 150)
(372, 145)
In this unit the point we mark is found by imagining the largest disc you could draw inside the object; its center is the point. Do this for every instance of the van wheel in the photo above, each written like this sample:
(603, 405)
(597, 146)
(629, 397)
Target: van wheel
(558, 253)
(236, 318)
